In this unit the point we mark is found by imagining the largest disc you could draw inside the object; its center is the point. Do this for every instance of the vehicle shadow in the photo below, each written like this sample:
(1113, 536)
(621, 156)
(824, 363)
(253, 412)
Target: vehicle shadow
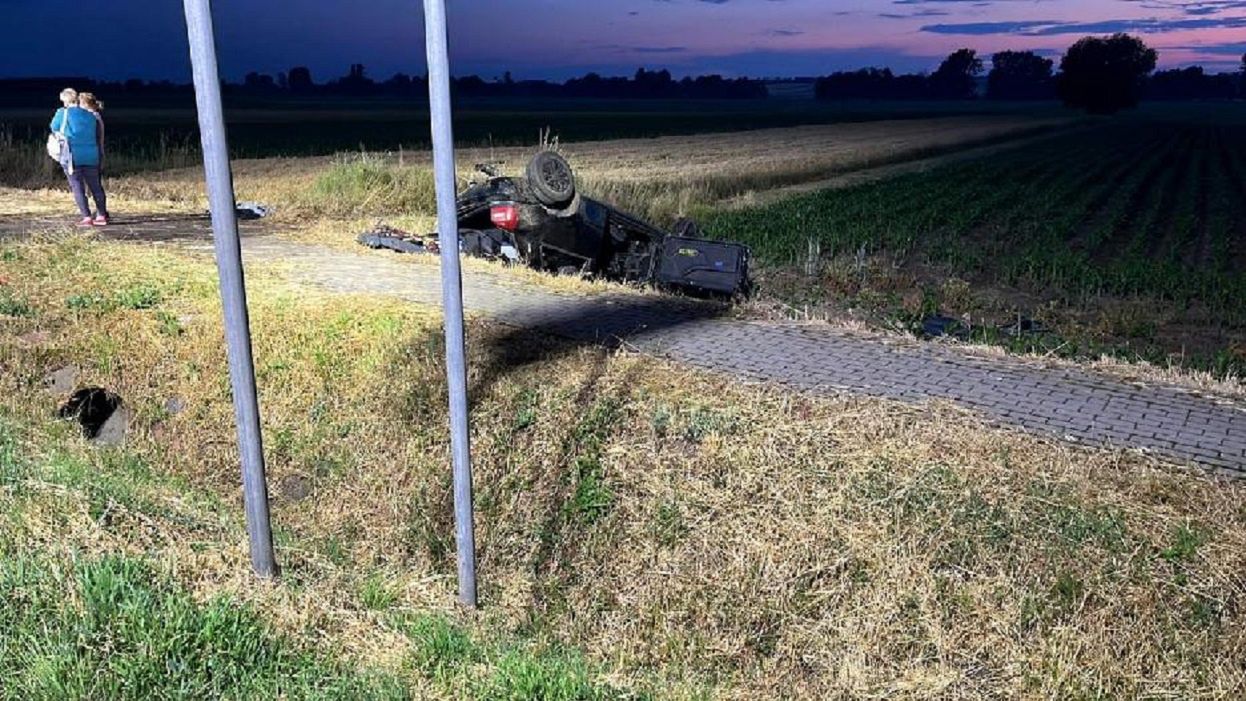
(608, 323)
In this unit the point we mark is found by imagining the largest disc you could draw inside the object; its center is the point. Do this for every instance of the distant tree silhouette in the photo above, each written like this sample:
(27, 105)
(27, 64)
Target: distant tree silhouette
(300, 79)
(1191, 83)
(398, 84)
(259, 82)
(644, 84)
(957, 75)
(1105, 76)
(1241, 89)
(1020, 75)
(871, 84)
(653, 83)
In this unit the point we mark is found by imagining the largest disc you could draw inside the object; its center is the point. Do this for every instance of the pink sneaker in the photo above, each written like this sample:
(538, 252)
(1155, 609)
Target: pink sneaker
(101, 220)
(87, 221)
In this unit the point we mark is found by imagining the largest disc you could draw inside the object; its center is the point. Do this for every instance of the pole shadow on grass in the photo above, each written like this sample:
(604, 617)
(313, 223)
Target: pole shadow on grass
(538, 335)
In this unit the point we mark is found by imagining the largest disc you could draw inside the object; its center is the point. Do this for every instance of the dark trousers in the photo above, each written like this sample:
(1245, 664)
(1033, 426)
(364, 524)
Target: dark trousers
(80, 180)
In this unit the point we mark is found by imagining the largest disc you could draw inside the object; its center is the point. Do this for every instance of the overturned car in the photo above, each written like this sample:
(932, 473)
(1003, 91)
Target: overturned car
(541, 220)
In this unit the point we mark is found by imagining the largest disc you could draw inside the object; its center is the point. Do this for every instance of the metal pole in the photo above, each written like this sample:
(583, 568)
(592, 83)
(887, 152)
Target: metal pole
(233, 289)
(451, 291)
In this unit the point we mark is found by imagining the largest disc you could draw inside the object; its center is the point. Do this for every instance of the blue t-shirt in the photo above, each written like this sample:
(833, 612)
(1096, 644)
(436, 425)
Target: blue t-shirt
(81, 134)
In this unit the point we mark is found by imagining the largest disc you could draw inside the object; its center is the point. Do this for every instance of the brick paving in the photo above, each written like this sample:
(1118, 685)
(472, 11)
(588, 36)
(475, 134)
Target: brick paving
(1063, 402)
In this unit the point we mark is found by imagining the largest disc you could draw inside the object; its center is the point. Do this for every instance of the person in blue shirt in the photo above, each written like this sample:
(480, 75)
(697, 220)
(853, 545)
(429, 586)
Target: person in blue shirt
(83, 132)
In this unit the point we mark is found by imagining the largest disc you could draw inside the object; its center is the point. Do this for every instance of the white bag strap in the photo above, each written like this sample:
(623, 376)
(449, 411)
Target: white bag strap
(64, 122)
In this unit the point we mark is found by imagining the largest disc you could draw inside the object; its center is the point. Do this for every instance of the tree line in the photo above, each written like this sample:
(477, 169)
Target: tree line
(1099, 74)
(643, 84)
(298, 81)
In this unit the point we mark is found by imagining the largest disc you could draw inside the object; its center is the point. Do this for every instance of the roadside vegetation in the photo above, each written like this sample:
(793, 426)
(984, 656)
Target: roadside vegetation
(645, 531)
(1125, 239)
(1119, 239)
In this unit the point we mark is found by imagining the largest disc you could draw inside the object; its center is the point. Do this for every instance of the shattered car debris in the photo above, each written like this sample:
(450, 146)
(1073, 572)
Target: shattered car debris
(542, 221)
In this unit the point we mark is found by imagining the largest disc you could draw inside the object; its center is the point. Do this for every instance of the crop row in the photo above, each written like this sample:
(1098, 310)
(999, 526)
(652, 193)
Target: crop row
(1144, 209)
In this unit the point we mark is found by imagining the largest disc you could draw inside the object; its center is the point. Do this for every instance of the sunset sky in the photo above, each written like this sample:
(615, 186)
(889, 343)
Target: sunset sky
(560, 38)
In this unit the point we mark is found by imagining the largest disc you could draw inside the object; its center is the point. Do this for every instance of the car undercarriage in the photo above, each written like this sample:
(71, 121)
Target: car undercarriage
(541, 220)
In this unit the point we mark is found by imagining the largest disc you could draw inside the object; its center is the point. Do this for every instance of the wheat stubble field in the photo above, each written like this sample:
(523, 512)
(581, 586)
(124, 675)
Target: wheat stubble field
(645, 531)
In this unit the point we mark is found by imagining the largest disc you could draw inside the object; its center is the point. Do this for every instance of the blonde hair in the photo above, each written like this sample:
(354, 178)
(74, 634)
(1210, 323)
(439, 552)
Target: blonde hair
(69, 97)
(87, 100)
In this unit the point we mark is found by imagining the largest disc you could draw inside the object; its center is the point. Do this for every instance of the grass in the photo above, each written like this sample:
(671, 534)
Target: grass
(445, 652)
(644, 531)
(113, 628)
(364, 184)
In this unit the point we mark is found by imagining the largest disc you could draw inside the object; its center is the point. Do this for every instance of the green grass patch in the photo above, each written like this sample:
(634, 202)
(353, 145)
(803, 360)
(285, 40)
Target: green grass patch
(500, 670)
(114, 628)
(11, 305)
(364, 184)
(137, 297)
(377, 594)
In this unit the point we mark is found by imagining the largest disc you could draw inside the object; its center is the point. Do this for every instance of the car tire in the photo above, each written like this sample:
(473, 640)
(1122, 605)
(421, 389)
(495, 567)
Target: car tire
(551, 179)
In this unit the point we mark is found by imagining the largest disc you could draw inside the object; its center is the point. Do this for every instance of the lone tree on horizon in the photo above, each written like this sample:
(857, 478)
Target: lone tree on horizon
(1106, 75)
(956, 77)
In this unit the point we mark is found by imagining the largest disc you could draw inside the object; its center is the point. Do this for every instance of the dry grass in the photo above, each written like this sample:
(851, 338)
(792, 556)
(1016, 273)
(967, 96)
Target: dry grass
(884, 294)
(685, 532)
(661, 178)
(38, 203)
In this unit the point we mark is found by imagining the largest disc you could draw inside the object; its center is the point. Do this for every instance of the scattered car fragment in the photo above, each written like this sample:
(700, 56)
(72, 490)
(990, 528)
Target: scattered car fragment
(541, 220)
(247, 211)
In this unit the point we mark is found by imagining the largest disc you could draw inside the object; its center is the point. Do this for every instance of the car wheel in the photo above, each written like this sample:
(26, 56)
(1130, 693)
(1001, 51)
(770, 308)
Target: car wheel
(551, 179)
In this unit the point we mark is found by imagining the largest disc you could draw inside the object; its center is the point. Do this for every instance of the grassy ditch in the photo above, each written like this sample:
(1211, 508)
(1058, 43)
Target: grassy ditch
(644, 531)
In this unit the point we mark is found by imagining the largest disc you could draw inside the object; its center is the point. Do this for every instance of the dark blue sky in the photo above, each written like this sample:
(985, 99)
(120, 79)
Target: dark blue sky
(559, 38)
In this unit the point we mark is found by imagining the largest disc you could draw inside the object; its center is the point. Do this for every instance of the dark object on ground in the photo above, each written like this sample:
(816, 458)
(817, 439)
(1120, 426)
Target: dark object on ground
(696, 264)
(91, 407)
(248, 211)
(382, 236)
(937, 325)
(1023, 327)
(490, 244)
(542, 221)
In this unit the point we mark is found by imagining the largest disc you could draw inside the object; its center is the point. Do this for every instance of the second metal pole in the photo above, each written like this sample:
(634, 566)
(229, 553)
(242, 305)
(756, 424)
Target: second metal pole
(451, 291)
(233, 288)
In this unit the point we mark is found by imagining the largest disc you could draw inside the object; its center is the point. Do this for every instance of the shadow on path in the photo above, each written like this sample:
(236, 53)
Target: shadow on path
(153, 228)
